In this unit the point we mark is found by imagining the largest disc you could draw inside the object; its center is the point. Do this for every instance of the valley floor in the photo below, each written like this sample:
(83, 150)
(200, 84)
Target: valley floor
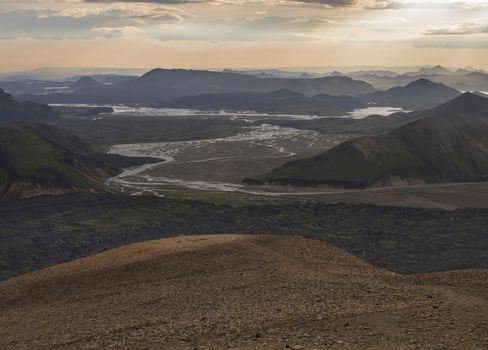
(242, 292)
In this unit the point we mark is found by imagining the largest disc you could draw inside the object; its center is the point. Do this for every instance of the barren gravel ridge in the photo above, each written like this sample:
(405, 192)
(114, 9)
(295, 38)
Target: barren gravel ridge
(243, 292)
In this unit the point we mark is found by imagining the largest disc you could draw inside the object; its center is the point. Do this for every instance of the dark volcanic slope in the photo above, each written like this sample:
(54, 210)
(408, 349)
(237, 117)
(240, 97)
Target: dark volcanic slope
(420, 94)
(37, 159)
(43, 231)
(449, 145)
(243, 292)
(11, 109)
(280, 101)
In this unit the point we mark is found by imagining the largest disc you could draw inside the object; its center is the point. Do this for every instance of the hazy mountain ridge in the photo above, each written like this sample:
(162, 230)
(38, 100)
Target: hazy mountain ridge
(417, 95)
(188, 82)
(161, 86)
(466, 81)
(281, 101)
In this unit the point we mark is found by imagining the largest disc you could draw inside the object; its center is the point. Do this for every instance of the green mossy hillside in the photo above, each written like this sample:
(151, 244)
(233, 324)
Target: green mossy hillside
(448, 145)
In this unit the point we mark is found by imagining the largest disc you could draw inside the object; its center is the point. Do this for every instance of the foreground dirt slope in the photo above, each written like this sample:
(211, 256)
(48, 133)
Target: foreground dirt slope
(244, 292)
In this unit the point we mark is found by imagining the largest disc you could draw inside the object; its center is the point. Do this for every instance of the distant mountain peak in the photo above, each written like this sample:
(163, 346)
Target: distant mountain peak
(468, 102)
(419, 94)
(431, 71)
(437, 68)
(85, 79)
(471, 97)
(86, 82)
(424, 82)
(336, 73)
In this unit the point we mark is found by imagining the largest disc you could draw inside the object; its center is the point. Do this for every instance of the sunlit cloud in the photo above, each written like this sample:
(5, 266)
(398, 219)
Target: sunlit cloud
(149, 12)
(474, 26)
(115, 31)
(53, 24)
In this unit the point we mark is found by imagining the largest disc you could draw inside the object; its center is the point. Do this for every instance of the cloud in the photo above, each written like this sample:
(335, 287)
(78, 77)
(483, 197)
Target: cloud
(474, 26)
(384, 21)
(280, 23)
(266, 28)
(370, 4)
(66, 24)
(115, 31)
(130, 11)
(470, 5)
(162, 2)
(156, 22)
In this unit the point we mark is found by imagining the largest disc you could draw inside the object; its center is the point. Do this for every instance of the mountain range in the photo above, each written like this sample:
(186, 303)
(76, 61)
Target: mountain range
(161, 86)
(230, 90)
(461, 80)
(418, 95)
(430, 71)
(447, 144)
(281, 101)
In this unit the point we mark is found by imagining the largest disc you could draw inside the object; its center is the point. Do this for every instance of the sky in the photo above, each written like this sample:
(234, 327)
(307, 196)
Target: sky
(242, 33)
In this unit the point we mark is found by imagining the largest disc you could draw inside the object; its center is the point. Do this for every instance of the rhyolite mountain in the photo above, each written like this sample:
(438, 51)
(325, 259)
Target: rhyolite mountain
(161, 86)
(281, 101)
(40, 159)
(449, 144)
(12, 110)
(419, 94)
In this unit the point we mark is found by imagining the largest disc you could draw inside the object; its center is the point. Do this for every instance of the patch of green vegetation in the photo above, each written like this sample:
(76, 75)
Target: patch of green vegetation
(43, 231)
(439, 148)
(357, 163)
(80, 112)
(27, 157)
